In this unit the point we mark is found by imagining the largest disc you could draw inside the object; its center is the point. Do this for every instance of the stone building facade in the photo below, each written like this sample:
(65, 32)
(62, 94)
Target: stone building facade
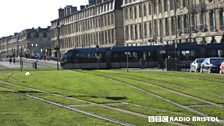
(149, 22)
(29, 43)
(99, 24)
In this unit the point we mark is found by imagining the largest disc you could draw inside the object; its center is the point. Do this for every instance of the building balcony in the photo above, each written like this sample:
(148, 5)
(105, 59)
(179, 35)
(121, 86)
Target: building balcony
(194, 29)
(186, 30)
(203, 28)
(191, 8)
(201, 7)
(197, 8)
(222, 27)
(212, 28)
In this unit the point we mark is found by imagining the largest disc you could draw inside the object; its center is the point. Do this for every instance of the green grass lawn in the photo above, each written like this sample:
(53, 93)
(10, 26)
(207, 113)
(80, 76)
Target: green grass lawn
(116, 87)
(17, 110)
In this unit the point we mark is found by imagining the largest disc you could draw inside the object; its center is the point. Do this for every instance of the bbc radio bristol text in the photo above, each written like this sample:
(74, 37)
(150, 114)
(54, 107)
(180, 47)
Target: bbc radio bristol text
(182, 119)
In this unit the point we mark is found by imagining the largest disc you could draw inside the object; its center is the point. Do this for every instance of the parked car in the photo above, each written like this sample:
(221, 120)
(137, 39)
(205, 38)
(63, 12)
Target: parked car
(195, 66)
(211, 65)
(221, 71)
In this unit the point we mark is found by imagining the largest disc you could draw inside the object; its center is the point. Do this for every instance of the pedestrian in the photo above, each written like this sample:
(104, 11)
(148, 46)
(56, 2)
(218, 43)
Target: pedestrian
(213, 39)
(222, 40)
(142, 63)
(10, 60)
(14, 60)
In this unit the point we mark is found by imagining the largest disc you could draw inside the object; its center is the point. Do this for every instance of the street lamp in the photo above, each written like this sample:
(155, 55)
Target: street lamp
(0, 55)
(127, 55)
(97, 56)
(21, 60)
(57, 48)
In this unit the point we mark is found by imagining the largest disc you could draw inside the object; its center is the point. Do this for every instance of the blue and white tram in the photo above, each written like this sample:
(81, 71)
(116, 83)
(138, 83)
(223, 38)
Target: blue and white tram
(154, 55)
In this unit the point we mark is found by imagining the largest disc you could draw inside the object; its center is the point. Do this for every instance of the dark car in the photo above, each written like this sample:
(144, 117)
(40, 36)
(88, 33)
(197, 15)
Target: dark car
(221, 71)
(195, 66)
(211, 65)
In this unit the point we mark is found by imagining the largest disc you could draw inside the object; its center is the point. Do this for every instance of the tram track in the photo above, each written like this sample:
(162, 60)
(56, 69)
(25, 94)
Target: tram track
(122, 110)
(173, 91)
(132, 104)
(173, 84)
(196, 78)
(159, 97)
(70, 108)
(92, 103)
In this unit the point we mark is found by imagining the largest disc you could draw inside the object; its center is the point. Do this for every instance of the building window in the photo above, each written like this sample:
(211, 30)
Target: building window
(203, 21)
(136, 31)
(150, 8)
(150, 29)
(222, 18)
(155, 7)
(113, 35)
(212, 20)
(112, 19)
(179, 24)
(160, 6)
(155, 29)
(211, 1)
(126, 14)
(140, 31)
(177, 4)
(167, 26)
(140, 11)
(127, 32)
(161, 27)
(135, 12)
(184, 3)
(165, 5)
(145, 30)
(172, 5)
(132, 33)
(173, 24)
(131, 13)
(194, 22)
(144, 10)
(186, 24)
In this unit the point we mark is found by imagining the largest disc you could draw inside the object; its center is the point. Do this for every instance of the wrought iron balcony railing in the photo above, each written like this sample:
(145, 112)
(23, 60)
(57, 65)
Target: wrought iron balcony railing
(197, 8)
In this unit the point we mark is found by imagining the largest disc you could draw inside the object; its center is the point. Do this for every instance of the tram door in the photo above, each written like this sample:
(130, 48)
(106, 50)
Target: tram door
(108, 59)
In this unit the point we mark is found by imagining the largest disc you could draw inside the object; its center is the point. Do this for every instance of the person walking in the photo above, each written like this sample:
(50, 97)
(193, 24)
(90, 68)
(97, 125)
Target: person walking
(10, 60)
(142, 63)
(14, 60)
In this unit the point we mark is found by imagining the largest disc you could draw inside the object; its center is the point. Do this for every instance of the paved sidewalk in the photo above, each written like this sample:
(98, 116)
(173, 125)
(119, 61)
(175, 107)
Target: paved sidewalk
(27, 63)
(11, 65)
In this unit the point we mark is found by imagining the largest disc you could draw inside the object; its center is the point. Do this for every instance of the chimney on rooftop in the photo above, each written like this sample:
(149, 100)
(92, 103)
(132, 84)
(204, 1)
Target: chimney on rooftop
(61, 13)
(82, 7)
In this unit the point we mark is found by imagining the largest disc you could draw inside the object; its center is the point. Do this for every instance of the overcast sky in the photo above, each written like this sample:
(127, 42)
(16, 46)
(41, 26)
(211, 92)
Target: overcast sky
(17, 15)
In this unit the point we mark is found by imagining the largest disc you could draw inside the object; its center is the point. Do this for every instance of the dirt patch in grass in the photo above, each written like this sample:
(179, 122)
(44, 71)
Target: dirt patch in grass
(116, 98)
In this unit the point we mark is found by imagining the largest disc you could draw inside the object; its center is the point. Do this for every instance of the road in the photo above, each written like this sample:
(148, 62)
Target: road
(28, 63)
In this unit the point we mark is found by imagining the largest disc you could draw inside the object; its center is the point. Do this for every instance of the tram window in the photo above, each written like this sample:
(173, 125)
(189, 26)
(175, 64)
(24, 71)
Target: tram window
(220, 53)
(149, 56)
(212, 53)
(67, 57)
(193, 53)
(144, 55)
(77, 54)
(186, 54)
(119, 57)
(89, 55)
(93, 55)
(134, 54)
